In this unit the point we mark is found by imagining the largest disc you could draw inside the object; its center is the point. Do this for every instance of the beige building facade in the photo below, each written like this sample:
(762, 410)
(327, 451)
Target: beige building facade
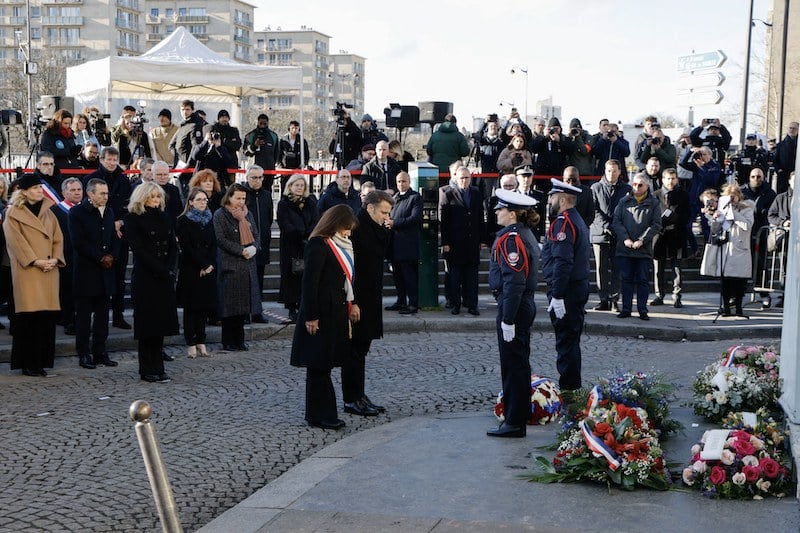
(783, 68)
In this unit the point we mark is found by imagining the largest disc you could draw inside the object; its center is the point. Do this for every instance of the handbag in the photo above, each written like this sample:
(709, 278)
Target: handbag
(297, 265)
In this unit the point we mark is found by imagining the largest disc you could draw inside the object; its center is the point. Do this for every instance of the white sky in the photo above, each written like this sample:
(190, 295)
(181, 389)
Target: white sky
(612, 58)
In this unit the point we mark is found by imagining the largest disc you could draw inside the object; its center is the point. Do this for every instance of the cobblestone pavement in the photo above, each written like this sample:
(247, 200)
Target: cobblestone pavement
(69, 459)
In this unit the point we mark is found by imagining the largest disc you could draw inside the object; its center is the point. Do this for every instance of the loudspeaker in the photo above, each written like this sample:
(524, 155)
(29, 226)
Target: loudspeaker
(405, 116)
(50, 104)
(10, 117)
(434, 112)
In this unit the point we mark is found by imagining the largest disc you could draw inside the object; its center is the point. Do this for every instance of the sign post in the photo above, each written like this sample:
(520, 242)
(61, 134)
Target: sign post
(700, 79)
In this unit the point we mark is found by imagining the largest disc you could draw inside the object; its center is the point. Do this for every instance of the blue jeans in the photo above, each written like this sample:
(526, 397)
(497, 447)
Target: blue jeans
(635, 277)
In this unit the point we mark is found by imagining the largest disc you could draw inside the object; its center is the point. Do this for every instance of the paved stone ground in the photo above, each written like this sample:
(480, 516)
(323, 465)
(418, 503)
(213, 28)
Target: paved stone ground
(69, 459)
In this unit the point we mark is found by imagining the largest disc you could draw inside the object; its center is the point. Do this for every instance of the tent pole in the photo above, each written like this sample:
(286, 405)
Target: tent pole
(302, 133)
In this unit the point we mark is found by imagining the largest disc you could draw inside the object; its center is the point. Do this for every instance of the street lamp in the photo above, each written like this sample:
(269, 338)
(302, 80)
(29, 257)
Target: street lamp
(524, 70)
(751, 22)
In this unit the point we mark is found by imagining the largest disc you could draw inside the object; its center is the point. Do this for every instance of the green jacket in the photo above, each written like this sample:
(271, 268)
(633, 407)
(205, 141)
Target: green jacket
(446, 146)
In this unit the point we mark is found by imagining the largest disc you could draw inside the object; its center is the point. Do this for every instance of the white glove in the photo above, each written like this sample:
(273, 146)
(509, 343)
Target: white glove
(508, 331)
(249, 251)
(557, 306)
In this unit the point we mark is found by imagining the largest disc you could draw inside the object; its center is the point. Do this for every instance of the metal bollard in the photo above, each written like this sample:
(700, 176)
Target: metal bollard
(140, 412)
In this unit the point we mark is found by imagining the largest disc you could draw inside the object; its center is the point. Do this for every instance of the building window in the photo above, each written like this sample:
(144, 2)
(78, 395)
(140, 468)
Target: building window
(320, 47)
(261, 58)
(280, 44)
(280, 101)
(280, 59)
(64, 36)
(36, 11)
(260, 43)
(197, 29)
(170, 12)
(36, 33)
(197, 12)
(169, 28)
(181, 11)
(154, 12)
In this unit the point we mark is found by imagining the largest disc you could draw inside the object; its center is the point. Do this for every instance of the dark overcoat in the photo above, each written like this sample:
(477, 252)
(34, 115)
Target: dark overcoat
(198, 251)
(672, 238)
(406, 222)
(151, 237)
(237, 280)
(296, 226)
(462, 225)
(94, 237)
(324, 299)
(370, 242)
(259, 203)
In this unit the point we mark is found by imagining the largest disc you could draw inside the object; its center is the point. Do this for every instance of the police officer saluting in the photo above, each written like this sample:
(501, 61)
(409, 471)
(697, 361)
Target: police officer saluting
(513, 269)
(565, 267)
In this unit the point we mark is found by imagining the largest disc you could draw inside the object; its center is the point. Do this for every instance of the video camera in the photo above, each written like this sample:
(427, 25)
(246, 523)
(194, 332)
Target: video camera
(139, 119)
(341, 113)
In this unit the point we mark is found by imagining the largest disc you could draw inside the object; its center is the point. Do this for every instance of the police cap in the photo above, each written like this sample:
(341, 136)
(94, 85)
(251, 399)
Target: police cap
(559, 186)
(524, 170)
(513, 200)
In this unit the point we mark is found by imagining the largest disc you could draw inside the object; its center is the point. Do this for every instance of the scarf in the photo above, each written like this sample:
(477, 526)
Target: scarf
(343, 250)
(66, 132)
(200, 217)
(299, 200)
(245, 234)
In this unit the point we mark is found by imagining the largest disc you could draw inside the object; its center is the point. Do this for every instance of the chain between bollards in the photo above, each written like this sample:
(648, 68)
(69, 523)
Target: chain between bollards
(140, 411)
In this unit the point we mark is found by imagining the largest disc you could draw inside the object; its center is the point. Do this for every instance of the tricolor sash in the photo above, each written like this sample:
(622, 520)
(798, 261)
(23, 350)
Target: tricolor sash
(731, 357)
(599, 448)
(50, 192)
(65, 206)
(346, 263)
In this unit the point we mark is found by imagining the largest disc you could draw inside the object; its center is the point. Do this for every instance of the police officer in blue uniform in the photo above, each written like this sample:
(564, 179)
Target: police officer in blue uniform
(513, 267)
(565, 267)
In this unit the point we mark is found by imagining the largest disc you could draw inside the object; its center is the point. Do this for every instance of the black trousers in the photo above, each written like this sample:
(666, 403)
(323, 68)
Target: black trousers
(233, 329)
(65, 297)
(260, 273)
(464, 284)
(320, 396)
(194, 326)
(406, 280)
(120, 269)
(150, 361)
(354, 369)
(733, 290)
(515, 364)
(91, 325)
(34, 343)
(568, 335)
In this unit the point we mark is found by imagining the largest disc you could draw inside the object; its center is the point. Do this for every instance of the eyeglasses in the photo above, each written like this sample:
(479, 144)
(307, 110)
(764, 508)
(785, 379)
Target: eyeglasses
(637, 185)
(255, 177)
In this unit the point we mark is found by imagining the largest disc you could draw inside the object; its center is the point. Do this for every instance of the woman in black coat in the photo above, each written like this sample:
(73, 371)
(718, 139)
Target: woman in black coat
(151, 237)
(322, 336)
(297, 216)
(197, 275)
(59, 139)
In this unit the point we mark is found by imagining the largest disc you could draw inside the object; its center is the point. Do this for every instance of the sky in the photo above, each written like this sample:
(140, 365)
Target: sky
(614, 59)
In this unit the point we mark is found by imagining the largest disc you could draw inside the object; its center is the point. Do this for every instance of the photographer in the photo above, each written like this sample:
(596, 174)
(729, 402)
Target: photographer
(514, 155)
(611, 145)
(649, 124)
(706, 174)
(347, 142)
(749, 158)
(213, 155)
(727, 255)
(191, 132)
(58, 139)
(129, 138)
(581, 155)
(264, 148)
(369, 131)
(714, 136)
(98, 125)
(660, 146)
(488, 146)
(551, 151)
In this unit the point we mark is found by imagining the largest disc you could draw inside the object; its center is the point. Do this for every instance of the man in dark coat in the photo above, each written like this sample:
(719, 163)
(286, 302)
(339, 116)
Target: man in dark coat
(94, 252)
(525, 185)
(191, 132)
(611, 145)
(552, 151)
(340, 191)
(381, 169)
(405, 220)
(259, 203)
(762, 195)
(346, 146)
(48, 174)
(669, 245)
(785, 157)
(214, 155)
(713, 135)
(463, 235)
(263, 146)
(584, 204)
(72, 192)
(119, 193)
(750, 157)
(370, 240)
(172, 195)
(447, 145)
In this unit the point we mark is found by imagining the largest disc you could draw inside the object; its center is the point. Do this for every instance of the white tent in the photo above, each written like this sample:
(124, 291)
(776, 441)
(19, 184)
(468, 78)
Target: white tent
(179, 67)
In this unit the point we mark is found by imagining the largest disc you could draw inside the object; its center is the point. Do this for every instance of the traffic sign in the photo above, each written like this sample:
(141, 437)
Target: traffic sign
(702, 61)
(706, 80)
(698, 98)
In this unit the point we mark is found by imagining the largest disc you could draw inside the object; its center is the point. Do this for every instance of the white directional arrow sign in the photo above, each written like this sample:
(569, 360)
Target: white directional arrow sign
(702, 81)
(694, 98)
(702, 61)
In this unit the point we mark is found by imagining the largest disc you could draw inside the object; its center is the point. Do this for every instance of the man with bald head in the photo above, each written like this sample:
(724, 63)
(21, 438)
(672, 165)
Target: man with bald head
(584, 205)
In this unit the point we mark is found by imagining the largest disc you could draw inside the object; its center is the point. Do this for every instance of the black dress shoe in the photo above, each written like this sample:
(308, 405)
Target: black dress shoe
(163, 378)
(643, 315)
(394, 307)
(156, 378)
(677, 303)
(409, 311)
(121, 323)
(293, 315)
(166, 357)
(258, 319)
(30, 372)
(474, 311)
(328, 424)
(105, 361)
(86, 362)
(360, 408)
(448, 305)
(69, 329)
(624, 314)
(229, 347)
(242, 347)
(602, 306)
(367, 401)
(455, 311)
(506, 431)
(658, 300)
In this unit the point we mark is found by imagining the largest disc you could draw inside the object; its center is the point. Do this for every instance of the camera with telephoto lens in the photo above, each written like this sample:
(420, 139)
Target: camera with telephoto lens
(697, 156)
(215, 136)
(552, 131)
(341, 113)
(574, 132)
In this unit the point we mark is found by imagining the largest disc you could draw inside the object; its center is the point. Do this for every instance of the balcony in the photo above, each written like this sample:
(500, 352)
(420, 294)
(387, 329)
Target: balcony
(133, 5)
(246, 23)
(202, 37)
(130, 48)
(242, 56)
(13, 21)
(241, 39)
(191, 19)
(155, 37)
(63, 43)
(61, 2)
(62, 21)
(154, 20)
(126, 24)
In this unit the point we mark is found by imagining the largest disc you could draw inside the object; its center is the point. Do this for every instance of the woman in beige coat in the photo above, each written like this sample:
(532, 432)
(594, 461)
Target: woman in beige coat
(36, 251)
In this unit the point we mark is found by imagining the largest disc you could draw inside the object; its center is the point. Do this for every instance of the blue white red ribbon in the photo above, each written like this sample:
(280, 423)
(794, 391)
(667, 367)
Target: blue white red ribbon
(50, 192)
(731, 357)
(65, 205)
(594, 398)
(599, 448)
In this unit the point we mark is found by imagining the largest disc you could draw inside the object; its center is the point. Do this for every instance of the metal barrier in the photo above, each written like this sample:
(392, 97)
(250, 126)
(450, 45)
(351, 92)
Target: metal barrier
(140, 411)
(769, 260)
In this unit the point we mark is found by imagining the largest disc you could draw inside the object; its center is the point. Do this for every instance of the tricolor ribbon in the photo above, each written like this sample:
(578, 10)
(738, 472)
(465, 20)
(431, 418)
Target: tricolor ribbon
(731, 357)
(50, 192)
(594, 398)
(345, 262)
(599, 448)
(65, 205)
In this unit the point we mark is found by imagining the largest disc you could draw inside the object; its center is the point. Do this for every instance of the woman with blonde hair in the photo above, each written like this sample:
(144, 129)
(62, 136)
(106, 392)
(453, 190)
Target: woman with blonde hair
(151, 236)
(514, 155)
(207, 180)
(297, 216)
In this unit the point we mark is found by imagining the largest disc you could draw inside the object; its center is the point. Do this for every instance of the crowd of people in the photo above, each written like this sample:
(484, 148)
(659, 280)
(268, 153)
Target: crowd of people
(202, 241)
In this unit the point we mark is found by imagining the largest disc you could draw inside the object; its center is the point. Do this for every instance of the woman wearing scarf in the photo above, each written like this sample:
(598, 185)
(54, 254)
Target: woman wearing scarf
(323, 332)
(237, 283)
(59, 139)
(35, 248)
(197, 274)
(297, 216)
(151, 236)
